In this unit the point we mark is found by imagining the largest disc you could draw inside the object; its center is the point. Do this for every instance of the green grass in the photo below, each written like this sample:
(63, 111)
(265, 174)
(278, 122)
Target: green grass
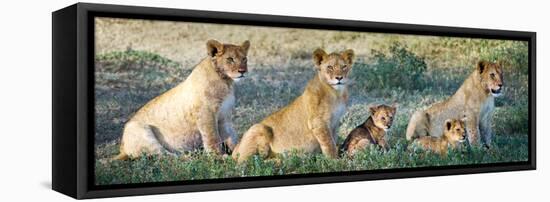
(413, 71)
(199, 165)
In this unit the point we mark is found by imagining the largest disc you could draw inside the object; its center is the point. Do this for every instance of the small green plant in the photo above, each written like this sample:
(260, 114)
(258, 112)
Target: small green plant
(126, 60)
(400, 68)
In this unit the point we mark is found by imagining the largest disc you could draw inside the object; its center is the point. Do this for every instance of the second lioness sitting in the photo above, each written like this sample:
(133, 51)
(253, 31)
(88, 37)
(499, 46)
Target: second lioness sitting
(372, 131)
(309, 123)
(453, 135)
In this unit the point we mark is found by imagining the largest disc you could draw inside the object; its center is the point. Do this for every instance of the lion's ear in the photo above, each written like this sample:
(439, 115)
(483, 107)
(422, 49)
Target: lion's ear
(448, 124)
(481, 66)
(372, 109)
(319, 55)
(214, 47)
(500, 64)
(348, 56)
(245, 46)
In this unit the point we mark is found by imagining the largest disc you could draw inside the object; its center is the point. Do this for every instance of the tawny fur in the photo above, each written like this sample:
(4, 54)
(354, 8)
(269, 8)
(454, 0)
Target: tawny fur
(193, 115)
(454, 134)
(474, 99)
(308, 124)
(371, 132)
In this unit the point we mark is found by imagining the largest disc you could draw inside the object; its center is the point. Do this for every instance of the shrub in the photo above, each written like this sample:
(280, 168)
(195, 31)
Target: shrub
(400, 68)
(514, 55)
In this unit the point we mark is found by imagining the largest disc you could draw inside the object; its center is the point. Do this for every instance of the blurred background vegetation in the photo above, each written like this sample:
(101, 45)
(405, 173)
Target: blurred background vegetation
(137, 60)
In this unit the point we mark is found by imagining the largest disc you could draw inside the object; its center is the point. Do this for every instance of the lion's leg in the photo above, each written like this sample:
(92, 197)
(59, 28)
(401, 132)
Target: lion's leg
(417, 126)
(384, 145)
(228, 135)
(323, 134)
(486, 130)
(255, 141)
(139, 138)
(208, 128)
(472, 128)
(360, 146)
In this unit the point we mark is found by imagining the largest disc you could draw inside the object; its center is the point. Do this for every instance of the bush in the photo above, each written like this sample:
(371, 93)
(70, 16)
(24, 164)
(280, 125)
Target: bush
(398, 69)
(514, 55)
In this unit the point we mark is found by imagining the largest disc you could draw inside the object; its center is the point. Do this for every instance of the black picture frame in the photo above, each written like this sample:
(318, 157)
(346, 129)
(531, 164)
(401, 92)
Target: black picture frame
(73, 99)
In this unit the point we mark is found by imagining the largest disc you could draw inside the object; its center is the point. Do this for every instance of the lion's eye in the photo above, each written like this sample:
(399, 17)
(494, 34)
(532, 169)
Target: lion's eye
(244, 59)
(229, 60)
(383, 118)
(493, 75)
(330, 67)
(344, 67)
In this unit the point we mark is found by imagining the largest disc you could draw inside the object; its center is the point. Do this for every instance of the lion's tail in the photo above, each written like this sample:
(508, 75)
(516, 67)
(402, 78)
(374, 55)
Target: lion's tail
(343, 148)
(418, 125)
(121, 156)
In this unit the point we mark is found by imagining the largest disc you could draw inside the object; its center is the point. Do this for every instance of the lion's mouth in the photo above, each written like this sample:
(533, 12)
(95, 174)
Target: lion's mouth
(496, 92)
(239, 77)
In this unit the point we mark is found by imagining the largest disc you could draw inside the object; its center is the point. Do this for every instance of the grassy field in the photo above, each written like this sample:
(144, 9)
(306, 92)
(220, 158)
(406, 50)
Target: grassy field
(137, 60)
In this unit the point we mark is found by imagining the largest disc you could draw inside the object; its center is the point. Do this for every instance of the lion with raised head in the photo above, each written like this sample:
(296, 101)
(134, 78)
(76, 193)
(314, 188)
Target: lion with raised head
(371, 132)
(308, 124)
(474, 99)
(193, 115)
(453, 135)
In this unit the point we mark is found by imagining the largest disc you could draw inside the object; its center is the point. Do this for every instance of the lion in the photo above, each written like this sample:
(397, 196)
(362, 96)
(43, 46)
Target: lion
(308, 124)
(453, 135)
(372, 131)
(196, 114)
(474, 99)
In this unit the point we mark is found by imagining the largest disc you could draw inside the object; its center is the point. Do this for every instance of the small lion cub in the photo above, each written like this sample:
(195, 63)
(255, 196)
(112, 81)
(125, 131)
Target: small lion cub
(372, 131)
(453, 135)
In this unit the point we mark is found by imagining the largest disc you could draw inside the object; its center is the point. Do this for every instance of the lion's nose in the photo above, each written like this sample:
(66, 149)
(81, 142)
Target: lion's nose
(500, 85)
(339, 78)
(242, 71)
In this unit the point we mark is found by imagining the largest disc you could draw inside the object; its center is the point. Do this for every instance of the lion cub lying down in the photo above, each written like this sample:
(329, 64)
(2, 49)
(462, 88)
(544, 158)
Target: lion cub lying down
(372, 131)
(453, 135)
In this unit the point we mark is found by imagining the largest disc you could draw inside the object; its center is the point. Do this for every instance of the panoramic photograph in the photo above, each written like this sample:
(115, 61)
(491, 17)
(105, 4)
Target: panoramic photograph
(186, 101)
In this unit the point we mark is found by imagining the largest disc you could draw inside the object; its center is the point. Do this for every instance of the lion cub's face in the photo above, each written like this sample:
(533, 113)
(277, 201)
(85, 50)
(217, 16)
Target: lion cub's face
(335, 67)
(229, 59)
(382, 115)
(455, 130)
(491, 77)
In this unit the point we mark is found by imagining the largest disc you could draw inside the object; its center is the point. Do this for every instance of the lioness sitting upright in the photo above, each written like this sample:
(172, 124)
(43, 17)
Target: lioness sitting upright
(309, 123)
(196, 113)
(474, 99)
(371, 132)
(453, 135)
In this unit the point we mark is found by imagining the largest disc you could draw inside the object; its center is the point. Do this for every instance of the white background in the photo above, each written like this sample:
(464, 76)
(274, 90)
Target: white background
(25, 99)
